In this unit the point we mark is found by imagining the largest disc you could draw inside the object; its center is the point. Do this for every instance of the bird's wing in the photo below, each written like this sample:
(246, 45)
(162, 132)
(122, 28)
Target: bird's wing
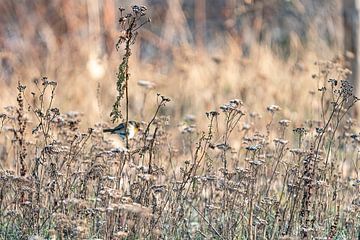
(119, 127)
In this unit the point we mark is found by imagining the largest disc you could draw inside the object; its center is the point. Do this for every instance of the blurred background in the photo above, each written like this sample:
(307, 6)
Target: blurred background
(200, 53)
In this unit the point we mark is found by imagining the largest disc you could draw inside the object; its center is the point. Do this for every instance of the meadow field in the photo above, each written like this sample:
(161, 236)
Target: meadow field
(237, 140)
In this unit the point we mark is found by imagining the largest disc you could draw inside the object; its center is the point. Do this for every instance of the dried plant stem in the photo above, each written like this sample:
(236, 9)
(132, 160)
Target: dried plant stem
(208, 223)
(127, 55)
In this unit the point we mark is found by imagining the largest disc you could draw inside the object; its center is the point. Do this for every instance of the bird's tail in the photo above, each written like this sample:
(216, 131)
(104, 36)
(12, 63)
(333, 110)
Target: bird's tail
(108, 130)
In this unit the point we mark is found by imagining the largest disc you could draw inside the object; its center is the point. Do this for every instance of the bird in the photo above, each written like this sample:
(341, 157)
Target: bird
(133, 128)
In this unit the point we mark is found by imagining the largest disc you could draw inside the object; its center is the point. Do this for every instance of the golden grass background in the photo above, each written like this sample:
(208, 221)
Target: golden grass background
(86, 73)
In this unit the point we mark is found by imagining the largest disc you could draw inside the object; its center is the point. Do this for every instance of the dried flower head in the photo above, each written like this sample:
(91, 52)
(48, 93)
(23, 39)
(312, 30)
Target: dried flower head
(273, 108)
(284, 122)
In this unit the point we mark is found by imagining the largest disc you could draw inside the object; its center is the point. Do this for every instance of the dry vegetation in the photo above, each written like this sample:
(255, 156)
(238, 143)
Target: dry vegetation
(216, 158)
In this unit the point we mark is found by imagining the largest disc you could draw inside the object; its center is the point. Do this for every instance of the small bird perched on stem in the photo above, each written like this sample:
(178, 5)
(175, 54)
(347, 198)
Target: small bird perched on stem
(133, 128)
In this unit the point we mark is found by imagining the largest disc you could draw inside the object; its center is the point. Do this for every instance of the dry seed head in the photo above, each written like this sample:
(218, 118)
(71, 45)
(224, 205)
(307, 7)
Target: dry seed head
(212, 114)
(256, 162)
(356, 183)
(73, 114)
(231, 105)
(284, 122)
(188, 129)
(139, 9)
(223, 146)
(299, 130)
(165, 99)
(322, 89)
(319, 130)
(236, 102)
(273, 108)
(253, 148)
(119, 150)
(280, 141)
(333, 81)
